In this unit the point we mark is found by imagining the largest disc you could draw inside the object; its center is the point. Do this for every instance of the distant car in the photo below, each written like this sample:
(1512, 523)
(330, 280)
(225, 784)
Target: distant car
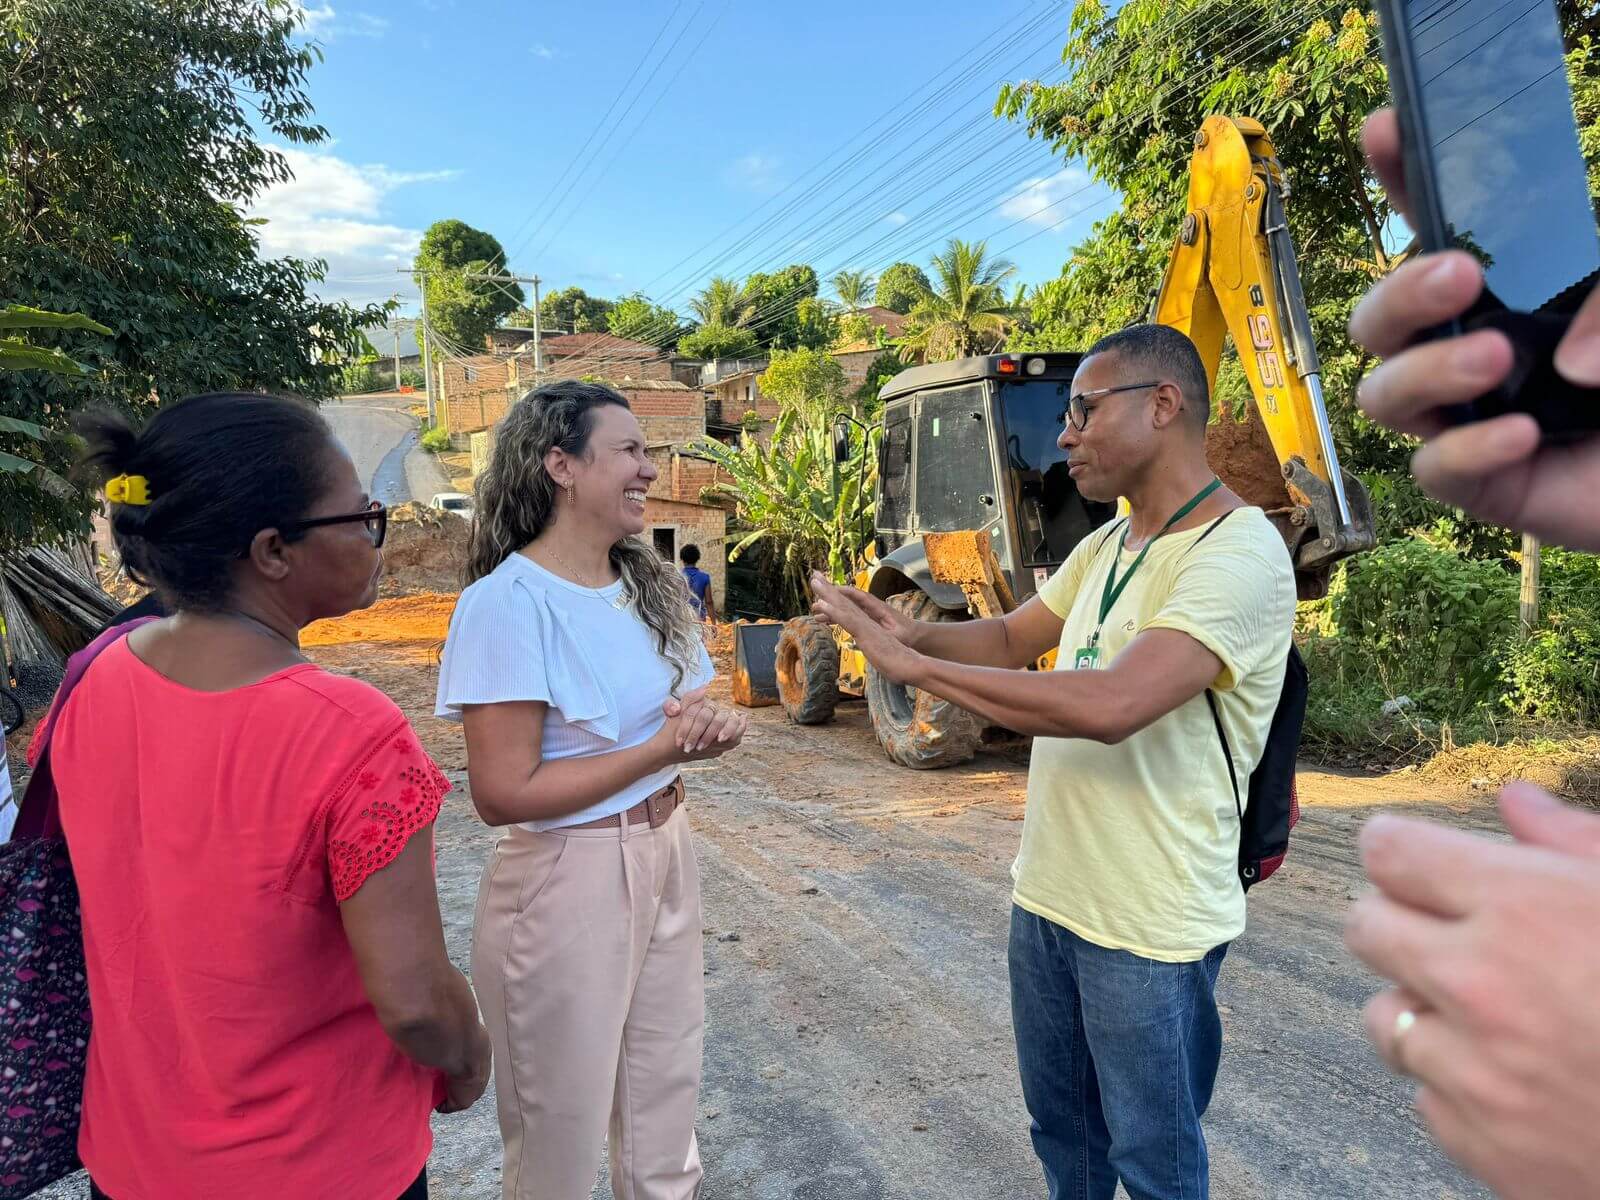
(453, 502)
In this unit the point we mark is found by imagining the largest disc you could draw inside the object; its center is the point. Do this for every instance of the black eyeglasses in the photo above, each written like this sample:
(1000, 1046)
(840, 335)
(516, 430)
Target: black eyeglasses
(375, 516)
(1078, 406)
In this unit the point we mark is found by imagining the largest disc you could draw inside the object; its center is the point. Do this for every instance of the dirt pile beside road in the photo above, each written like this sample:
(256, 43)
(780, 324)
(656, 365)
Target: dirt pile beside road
(423, 618)
(1568, 767)
(426, 551)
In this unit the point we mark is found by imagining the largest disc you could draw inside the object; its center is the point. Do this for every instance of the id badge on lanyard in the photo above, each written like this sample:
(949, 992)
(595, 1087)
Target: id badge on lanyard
(1087, 658)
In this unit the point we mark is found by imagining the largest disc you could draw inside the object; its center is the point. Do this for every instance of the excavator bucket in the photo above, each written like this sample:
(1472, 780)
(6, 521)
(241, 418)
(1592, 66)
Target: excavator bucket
(755, 663)
(966, 559)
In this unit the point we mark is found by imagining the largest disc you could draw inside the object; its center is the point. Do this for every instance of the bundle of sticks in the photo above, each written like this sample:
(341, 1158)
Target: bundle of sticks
(52, 603)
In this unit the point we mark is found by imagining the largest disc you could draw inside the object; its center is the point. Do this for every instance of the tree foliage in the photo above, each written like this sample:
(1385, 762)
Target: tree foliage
(805, 379)
(462, 306)
(900, 287)
(133, 136)
(966, 310)
(636, 318)
(779, 316)
(790, 495)
(718, 341)
(574, 311)
(721, 302)
(853, 289)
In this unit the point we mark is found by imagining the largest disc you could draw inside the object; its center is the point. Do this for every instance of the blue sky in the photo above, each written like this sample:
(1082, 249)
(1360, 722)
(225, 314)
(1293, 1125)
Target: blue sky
(727, 149)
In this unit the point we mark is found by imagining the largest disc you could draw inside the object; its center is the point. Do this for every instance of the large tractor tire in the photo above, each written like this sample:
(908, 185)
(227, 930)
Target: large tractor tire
(917, 729)
(808, 671)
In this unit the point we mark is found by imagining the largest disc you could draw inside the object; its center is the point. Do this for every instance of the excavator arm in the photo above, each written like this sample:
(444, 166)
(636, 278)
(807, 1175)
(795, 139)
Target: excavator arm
(1233, 270)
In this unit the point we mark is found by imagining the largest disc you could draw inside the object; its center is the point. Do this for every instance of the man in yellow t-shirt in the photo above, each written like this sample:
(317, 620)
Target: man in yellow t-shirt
(1126, 886)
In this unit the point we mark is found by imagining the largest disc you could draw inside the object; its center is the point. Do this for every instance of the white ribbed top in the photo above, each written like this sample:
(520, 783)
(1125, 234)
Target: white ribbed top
(524, 633)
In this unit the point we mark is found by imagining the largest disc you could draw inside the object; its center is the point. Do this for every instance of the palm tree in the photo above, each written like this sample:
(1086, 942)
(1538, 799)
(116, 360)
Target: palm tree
(722, 303)
(965, 309)
(854, 289)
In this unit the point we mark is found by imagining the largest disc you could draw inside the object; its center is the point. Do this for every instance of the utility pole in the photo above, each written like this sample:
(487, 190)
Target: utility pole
(397, 356)
(1530, 584)
(538, 337)
(427, 359)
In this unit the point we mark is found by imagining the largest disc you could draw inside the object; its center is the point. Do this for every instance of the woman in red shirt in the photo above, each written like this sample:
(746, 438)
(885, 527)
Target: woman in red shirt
(274, 1011)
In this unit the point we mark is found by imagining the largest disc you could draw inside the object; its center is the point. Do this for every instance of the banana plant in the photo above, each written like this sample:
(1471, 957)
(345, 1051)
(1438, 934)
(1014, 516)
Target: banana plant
(17, 354)
(793, 494)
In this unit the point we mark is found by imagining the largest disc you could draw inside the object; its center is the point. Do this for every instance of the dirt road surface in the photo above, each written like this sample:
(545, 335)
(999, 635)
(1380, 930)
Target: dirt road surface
(859, 1037)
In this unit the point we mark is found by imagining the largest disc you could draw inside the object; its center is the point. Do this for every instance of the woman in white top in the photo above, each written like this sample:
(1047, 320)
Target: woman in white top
(578, 668)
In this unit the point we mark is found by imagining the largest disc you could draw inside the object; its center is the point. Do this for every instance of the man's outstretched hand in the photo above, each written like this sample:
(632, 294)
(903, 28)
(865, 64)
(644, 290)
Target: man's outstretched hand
(881, 633)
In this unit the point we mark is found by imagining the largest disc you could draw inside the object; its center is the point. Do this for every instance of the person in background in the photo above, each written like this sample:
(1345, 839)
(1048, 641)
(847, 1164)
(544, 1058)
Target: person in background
(1491, 946)
(700, 596)
(274, 1010)
(579, 673)
(1127, 889)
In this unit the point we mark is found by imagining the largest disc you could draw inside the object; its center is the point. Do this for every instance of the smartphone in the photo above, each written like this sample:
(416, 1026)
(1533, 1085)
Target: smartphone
(1493, 166)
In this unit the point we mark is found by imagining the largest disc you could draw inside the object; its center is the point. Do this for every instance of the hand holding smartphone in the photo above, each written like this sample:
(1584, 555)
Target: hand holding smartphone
(1492, 167)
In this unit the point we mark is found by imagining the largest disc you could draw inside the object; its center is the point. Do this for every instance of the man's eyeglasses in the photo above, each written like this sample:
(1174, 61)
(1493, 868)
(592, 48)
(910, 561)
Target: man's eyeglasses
(1078, 406)
(375, 517)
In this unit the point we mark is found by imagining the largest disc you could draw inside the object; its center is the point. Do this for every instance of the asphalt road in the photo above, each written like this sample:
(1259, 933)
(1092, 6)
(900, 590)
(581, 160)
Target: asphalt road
(381, 437)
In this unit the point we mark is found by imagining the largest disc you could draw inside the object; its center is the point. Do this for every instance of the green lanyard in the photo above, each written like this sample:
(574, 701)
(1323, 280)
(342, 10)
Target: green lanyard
(1114, 586)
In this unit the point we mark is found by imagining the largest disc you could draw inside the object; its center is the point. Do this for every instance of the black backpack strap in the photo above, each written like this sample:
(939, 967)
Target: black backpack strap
(1222, 736)
(1209, 529)
(1117, 525)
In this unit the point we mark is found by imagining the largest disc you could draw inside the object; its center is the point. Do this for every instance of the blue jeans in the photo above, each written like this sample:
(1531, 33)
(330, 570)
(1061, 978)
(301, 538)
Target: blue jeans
(1118, 1056)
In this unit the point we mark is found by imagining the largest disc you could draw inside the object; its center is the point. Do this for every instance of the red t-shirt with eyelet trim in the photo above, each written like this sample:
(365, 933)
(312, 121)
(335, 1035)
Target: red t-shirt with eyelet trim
(213, 836)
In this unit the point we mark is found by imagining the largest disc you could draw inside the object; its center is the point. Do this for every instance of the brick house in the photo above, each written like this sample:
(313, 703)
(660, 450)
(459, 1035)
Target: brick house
(470, 393)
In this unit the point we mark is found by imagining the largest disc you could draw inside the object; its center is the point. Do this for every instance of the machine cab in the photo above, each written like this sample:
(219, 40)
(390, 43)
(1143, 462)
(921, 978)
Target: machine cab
(971, 444)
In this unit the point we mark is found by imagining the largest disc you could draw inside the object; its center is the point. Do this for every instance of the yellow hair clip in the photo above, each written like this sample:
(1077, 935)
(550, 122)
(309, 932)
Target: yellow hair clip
(128, 489)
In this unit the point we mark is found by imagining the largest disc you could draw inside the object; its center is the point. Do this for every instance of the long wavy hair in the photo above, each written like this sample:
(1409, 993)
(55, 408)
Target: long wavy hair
(517, 499)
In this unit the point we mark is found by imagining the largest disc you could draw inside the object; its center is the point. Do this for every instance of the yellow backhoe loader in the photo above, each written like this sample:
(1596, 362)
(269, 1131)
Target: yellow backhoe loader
(974, 505)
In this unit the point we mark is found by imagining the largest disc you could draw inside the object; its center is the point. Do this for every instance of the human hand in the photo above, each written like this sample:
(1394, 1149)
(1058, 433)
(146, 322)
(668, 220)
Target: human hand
(879, 631)
(701, 731)
(461, 1092)
(1492, 946)
(891, 620)
(1497, 469)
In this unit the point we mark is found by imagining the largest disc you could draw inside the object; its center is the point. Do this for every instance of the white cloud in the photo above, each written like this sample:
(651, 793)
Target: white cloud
(333, 210)
(540, 50)
(315, 20)
(897, 218)
(324, 23)
(1044, 200)
(753, 173)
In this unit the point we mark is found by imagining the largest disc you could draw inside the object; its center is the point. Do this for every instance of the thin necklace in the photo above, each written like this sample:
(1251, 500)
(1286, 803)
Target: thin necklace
(619, 603)
(263, 627)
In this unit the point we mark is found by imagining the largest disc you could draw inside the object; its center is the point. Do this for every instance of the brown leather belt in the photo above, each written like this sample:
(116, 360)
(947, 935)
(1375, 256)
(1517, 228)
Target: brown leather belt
(653, 809)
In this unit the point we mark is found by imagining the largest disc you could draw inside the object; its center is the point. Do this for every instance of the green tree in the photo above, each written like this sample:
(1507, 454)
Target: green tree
(816, 326)
(570, 311)
(721, 302)
(718, 341)
(777, 301)
(853, 288)
(900, 287)
(636, 318)
(462, 306)
(806, 379)
(133, 136)
(966, 311)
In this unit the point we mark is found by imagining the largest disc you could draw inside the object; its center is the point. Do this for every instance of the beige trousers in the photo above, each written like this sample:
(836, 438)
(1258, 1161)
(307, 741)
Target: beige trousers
(588, 964)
